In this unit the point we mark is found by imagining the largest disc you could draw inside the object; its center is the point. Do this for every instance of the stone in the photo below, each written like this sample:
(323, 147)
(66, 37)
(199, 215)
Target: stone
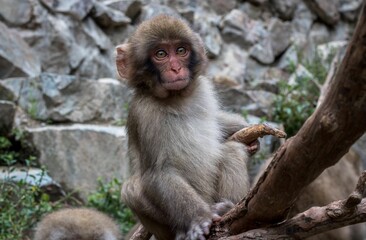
(108, 17)
(63, 98)
(17, 59)
(238, 28)
(16, 12)
(78, 9)
(67, 46)
(327, 11)
(289, 60)
(303, 19)
(263, 52)
(285, 8)
(349, 9)
(130, 8)
(7, 113)
(280, 35)
(230, 67)
(76, 156)
(222, 7)
(207, 26)
(153, 9)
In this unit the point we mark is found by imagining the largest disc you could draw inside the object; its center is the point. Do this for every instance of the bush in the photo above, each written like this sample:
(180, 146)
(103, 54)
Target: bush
(107, 199)
(297, 101)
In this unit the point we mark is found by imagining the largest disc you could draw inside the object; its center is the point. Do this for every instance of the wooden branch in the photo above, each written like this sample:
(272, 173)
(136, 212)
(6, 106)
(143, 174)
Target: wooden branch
(250, 134)
(324, 138)
(309, 223)
(316, 219)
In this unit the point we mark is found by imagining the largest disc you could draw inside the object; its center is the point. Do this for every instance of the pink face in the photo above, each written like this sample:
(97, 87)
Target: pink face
(172, 59)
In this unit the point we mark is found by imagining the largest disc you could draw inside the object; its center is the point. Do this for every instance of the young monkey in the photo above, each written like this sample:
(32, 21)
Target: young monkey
(77, 224)
(185, 174)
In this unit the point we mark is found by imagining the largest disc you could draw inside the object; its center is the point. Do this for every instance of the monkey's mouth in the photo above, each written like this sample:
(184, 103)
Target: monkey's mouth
(177, 84)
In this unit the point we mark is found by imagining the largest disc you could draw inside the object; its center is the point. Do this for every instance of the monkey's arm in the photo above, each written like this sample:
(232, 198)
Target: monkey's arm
(230, 123)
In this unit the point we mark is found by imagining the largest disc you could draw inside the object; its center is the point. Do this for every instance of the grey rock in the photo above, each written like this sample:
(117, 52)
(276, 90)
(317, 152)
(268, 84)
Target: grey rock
(285, 8)
(237, 27)
(350, 9)
(119, 35)
(233, 98)
(7, 113)
(263, 52)
(16, 12)
(254, 70)
(17, 59)
(262, 103)
(97, 65)
(319, 34)
(229, 69)
(91, 29)
(77, 155)
(10, 88)
(222, 7)
(62, 98)
(154, 9)
(67, 46)
(290, 59)
(280, 34)
(31, 176)
(206, 26)
(303, 19)
(327, 11)
(253, 11)
(78, 9)
(108, 17)
(130, 8)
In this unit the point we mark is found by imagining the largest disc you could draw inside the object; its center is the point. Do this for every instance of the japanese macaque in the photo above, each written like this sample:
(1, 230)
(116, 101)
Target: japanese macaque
(185, 173)
(77, 224)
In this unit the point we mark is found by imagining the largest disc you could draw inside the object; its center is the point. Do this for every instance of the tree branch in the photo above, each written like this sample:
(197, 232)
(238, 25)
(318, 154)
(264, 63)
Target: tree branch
(316, 219)
(324, 138)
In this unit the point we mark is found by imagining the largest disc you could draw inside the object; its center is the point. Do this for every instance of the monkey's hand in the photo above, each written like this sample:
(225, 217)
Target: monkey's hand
(198, 230)
(253, 147)
(220, 208)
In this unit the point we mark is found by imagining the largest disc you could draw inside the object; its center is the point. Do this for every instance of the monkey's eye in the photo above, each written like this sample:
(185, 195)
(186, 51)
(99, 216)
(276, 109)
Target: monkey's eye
(161, 54)
(181, 51)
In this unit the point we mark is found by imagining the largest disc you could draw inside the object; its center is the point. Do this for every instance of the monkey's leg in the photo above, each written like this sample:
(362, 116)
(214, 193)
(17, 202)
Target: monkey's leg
(233, 180)
(168, 203)
(134, 198)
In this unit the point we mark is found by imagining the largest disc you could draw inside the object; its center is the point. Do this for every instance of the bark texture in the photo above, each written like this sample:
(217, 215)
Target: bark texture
(324, 138)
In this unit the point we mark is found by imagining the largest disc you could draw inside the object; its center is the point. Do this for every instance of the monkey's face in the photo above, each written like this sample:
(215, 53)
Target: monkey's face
(171, 59)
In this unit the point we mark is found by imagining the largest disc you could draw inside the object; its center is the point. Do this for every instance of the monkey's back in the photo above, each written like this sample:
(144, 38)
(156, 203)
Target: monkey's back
(76, 223)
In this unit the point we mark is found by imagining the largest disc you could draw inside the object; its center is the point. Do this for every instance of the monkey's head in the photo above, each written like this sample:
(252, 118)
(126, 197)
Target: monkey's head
(163, 57)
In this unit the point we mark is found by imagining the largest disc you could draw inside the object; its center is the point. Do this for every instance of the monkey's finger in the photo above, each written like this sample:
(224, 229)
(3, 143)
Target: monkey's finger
(206, 227)
(216, 217)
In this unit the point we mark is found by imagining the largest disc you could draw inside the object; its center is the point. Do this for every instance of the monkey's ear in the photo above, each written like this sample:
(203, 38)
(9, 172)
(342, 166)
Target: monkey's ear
(121, 60)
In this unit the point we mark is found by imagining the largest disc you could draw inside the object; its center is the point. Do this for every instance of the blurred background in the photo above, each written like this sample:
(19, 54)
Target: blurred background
(63, 110)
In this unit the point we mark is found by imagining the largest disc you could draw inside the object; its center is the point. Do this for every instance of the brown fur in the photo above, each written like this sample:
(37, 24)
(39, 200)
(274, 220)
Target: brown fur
(77, 224)
(182, 166)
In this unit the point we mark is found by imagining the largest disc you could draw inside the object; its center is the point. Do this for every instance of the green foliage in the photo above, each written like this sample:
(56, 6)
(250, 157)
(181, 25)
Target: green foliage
(297, 101)
(21, 206)
(7, 157)
(107, 199)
